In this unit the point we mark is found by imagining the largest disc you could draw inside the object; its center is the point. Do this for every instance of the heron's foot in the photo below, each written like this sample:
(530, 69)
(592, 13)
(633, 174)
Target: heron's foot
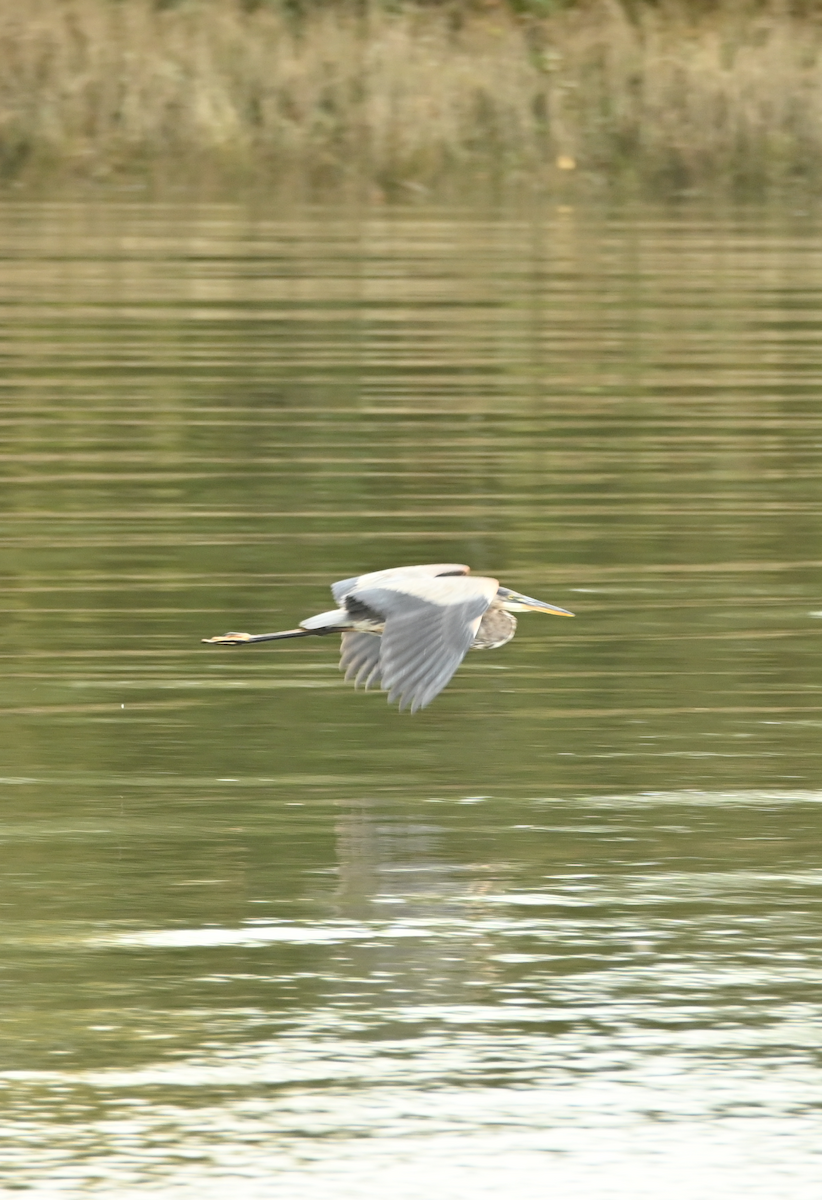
(228, 639)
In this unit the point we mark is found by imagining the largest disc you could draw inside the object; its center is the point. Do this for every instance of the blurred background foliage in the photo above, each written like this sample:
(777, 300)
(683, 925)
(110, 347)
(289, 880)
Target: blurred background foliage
(382, 96)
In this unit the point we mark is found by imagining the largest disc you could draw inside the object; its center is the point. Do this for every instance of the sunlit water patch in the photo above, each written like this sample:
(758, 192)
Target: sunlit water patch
(578, 1013)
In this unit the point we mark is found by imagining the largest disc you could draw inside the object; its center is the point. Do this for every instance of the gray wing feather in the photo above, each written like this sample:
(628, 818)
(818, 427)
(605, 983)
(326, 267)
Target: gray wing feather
(394, 575)
(423, 643)
(423, 649)
(360, 658)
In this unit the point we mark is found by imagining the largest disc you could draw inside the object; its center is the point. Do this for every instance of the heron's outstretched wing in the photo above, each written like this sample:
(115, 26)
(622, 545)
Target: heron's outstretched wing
(429, 626)
(382, 578)
(360, 658)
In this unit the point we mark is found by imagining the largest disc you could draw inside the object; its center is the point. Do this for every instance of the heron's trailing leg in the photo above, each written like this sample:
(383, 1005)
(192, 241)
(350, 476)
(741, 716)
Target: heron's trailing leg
(243, 639)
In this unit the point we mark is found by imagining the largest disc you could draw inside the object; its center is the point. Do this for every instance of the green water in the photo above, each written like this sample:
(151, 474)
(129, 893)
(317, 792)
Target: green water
(558, 934)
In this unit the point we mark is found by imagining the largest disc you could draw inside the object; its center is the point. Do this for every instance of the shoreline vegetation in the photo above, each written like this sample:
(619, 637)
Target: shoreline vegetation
(392, 98)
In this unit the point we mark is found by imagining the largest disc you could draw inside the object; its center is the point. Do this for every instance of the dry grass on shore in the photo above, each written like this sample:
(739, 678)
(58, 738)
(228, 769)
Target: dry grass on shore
(95, 88)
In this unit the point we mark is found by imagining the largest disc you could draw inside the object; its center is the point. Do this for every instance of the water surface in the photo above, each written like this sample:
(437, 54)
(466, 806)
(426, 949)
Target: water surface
(558, 933)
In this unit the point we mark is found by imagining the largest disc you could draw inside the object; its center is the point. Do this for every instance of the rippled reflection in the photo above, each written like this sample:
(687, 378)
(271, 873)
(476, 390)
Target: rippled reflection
(558, 934)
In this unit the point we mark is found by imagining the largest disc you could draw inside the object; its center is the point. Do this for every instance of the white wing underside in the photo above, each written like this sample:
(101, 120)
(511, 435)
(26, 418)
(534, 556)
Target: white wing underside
(430, 622)
(360, 658)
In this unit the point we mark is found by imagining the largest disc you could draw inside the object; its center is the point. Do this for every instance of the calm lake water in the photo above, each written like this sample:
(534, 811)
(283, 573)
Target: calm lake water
(560, 934)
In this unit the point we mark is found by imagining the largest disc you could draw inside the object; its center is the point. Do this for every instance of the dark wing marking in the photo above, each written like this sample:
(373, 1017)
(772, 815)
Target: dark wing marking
(360, 658)
(340, 590)
(359, 611)
(377, 578)
(426, 639)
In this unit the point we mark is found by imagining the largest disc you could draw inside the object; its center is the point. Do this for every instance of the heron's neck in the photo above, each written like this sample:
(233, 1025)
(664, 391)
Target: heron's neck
(495, 629)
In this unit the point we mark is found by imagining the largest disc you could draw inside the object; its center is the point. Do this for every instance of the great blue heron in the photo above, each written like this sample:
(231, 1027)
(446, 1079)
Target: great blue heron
(409, 628)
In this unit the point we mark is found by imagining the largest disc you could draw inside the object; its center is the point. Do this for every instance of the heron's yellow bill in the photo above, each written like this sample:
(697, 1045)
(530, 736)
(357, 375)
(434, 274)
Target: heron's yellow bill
(544, 606)
(517, 602)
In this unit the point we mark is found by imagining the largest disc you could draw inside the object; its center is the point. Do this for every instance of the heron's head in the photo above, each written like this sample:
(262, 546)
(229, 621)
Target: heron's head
(515, 602)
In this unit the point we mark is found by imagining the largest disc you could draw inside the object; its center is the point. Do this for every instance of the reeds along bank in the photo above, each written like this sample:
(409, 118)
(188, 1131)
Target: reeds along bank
(409, 96)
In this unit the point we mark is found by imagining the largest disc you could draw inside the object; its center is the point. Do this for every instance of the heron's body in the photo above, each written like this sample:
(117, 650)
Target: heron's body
(407, 629)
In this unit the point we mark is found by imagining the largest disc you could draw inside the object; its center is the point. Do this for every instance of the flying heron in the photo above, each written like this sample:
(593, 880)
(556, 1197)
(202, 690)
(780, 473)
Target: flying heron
(409, 628)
